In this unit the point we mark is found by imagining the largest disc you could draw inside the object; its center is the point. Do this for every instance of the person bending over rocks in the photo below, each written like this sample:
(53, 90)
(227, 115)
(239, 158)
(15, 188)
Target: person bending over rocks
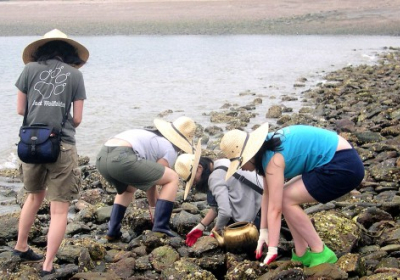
(142, 159)
(230, 201)
(321, 166)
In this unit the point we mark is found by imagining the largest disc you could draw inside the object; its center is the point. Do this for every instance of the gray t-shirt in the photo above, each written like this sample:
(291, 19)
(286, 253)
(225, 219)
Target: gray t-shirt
(149, 145)
(50, 89)
(235, 199)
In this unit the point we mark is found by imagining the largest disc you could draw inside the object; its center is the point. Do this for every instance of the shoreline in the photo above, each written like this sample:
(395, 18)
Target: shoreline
(196, 17)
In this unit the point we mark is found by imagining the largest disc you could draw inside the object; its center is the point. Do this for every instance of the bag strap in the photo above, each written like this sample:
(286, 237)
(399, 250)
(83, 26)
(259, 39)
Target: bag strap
(242, 179)
(65, 118)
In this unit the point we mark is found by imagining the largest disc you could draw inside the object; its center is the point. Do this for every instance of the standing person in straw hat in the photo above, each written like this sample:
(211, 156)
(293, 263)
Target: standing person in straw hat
(230, 201)
(47, 87)
(142, 159)
(321, 166)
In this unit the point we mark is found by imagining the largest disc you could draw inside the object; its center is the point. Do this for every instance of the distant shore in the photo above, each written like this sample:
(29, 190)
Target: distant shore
(216, 17)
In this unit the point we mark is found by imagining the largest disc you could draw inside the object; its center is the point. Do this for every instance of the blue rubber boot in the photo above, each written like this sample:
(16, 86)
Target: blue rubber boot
(161, 217)
(114, 225)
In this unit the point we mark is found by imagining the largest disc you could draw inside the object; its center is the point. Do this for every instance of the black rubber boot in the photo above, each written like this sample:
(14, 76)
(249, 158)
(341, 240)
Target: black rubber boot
(162, 215)
(114, 225)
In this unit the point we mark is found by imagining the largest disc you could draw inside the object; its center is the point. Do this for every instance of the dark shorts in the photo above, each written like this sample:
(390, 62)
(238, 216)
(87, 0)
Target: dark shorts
(122, 167)
(341, 175)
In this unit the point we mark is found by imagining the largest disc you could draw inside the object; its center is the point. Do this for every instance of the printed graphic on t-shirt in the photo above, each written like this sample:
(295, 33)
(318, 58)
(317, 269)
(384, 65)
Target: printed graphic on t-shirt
(52, 83)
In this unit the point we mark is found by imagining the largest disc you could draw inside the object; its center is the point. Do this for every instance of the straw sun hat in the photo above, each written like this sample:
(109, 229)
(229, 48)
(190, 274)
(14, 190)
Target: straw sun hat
(240, 146)
(54, 35)
(186, 167)
(180, 132)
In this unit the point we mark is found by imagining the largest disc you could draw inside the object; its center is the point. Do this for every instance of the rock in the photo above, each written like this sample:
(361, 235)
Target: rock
(352, 264)
(9, 227)
(103, 214)
(184, 222)
(274, 112)
(325, 271)
(124, 268)
(339, 233)
(163, 257)
(186, 269)
(95, 275)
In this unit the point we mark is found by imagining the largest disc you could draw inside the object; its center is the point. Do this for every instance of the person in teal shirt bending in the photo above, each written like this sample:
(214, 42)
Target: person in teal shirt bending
(317, 165)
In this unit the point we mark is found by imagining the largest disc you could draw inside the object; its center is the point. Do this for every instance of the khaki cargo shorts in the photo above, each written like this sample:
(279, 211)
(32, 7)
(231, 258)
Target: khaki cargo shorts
(62, 179)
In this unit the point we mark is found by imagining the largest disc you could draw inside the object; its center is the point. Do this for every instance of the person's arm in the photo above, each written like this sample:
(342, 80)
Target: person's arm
(219, 190)
(21, 103)
(78, 112)
(274, 182)
(263, 237)
(264, 206)
(209, 217)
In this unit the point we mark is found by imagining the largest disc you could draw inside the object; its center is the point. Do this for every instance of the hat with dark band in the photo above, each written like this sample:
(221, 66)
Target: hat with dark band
(240, 146)
(179, 132)
(54, 35)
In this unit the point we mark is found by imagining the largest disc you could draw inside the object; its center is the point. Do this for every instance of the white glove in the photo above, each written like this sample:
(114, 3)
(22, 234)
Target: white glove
(271, 255)
(199, 226)
(262, 239)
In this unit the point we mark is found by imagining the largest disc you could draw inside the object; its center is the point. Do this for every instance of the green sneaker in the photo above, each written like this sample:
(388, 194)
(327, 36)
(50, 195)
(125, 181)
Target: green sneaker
(326, 256)
(304, 259)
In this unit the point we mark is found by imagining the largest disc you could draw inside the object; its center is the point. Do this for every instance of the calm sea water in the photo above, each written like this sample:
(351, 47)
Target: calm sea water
(131, 79)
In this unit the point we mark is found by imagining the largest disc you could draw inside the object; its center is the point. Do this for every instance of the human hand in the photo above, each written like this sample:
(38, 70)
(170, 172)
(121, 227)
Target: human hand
(194, 234)
(263, 239)
(271, 255)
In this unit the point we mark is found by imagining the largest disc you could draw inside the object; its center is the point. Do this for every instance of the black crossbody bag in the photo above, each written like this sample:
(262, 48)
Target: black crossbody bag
(40, 143)
(242, 179)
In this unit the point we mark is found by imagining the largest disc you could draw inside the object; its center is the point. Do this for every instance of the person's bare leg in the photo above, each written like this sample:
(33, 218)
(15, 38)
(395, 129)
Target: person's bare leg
(125, 198)
(300, 243)
(58, 225)
(27, 217)
(152, 196)
(170, 183)
(295, 194)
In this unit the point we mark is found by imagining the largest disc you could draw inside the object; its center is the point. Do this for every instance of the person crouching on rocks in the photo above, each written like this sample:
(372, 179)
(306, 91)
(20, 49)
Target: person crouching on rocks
(230, 201)
(321, 166)
(142, 159)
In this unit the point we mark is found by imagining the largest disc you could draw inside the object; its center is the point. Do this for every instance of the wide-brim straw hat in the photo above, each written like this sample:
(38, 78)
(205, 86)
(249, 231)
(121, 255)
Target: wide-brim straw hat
(180, 132)
(54, 35)
(240, 146)
(186, 167)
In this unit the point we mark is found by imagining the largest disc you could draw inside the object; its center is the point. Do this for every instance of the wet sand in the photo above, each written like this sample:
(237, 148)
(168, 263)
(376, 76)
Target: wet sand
(85, 17)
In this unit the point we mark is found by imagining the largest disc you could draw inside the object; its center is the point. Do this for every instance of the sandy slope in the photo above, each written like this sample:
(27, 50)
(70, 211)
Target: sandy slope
(85, 17)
